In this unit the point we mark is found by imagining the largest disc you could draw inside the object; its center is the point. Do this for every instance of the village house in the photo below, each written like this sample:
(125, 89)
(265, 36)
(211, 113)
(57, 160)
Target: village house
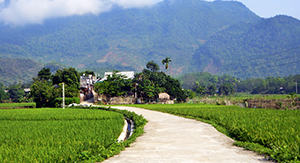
(86, 87)
(128, 74)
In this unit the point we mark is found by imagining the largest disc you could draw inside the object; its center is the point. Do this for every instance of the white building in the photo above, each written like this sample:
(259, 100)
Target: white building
(128, 74)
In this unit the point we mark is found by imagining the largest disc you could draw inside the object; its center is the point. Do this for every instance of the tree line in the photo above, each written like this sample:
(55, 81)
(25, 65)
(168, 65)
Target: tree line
(206, 83)
(15, 93)
(146, 84)
(46, 89)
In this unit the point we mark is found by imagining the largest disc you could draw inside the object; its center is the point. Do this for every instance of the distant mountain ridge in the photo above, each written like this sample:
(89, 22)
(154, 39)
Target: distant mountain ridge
(15, 70)
(270, 47)
(218, 37)
(126, 38)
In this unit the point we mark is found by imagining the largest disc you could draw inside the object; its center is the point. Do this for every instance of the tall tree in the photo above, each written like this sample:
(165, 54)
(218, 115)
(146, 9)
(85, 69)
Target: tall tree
(69, 76)
(212, 89)
(152, 66)
(16, 93)
(43, 93)
(226, 88)
(44, 74)
(115, 85)
(167, 62)
(3, 95)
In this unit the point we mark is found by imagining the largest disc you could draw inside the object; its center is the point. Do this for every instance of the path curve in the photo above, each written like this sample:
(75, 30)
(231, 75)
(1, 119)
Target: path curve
(173, 139)
(89, 101)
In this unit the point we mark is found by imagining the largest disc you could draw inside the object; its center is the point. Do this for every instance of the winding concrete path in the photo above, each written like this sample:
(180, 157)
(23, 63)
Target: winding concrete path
(172, 139)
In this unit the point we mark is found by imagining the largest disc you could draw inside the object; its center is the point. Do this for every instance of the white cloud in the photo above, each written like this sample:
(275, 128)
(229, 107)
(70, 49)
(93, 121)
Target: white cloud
(134, 3)
(22, 12)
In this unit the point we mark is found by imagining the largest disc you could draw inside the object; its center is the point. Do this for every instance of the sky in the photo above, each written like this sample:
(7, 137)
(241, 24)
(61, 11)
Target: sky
(23, 12)
(271, 8)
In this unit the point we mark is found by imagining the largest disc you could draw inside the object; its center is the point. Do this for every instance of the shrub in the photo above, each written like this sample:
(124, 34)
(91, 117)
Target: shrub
(68, 101)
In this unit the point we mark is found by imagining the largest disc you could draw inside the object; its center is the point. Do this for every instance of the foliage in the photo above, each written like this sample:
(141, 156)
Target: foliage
(273, 132)
(151, 65)
(189, 93)
(69, 76)
(269, 47)
(226, 88)
(54, 66)
(87, 72)
(17, 105)
(167, 61)
(269, 85)
(99, 71)
(56, 135)
(147, 84)
(151, 83)
(200, 90)
(3, 95)
(13, 70)
(205, 79)
(16, 93)
(212, 89)
(68, 101)
(226, 38)
(44, 74)
(115, 85)
(44, 92)
(124, 36)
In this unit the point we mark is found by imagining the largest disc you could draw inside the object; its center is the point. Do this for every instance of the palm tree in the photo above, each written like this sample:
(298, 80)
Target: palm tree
(167, 61)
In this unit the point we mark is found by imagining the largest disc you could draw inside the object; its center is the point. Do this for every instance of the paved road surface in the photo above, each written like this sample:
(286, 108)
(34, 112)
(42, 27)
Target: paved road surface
(89, 102)
(172, 139)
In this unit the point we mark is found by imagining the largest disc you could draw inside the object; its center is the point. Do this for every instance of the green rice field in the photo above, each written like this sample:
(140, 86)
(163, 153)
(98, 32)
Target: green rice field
(56, 135)
(16, 105)
(274, 133)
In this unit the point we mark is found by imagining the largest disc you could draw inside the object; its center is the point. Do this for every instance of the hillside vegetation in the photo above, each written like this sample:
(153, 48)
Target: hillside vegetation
(15, 70)
(221, 37)
(269, 85)
(125, 38)
(267, 48)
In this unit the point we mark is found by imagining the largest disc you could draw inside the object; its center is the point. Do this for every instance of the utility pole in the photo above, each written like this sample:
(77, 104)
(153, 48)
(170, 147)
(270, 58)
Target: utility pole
(296, 88)
(170, 71)
(63, 95)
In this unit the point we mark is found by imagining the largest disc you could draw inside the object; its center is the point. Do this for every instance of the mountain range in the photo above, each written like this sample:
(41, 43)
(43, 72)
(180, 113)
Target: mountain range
(270, 47)
(221, 37)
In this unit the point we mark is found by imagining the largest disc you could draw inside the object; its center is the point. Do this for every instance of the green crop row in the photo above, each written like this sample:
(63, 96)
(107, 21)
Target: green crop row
(16, 105)
(271, 132)
(57, 135)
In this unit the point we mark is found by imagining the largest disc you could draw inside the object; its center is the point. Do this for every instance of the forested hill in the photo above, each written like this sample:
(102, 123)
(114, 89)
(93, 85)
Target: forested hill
(270, 47)
(15, 70)
(126, 38)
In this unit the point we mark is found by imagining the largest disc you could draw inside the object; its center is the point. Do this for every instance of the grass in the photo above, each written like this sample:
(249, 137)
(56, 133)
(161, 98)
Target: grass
(271, 132)
(57, 135)
(237, 98)
(70, 135)
(16, 105)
